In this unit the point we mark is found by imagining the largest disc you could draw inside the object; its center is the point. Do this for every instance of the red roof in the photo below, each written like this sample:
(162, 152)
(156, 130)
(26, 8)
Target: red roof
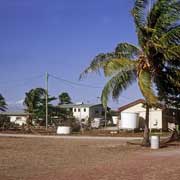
(122, 108)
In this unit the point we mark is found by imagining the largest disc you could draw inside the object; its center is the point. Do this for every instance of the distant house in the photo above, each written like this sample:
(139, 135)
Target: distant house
(83, 111)
(159, 118)
(19, 118)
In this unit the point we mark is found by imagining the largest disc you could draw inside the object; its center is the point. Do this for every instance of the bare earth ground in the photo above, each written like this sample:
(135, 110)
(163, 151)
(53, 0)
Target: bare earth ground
(73, 159)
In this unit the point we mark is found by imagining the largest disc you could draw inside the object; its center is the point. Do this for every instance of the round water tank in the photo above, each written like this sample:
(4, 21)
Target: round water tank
(63, 130)
(96, 123)
(129, 120)
(155, 142)
(115, 120)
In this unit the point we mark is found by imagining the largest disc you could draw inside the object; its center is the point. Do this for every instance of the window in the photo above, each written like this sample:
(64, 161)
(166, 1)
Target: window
(18, 118)
(84, 109)
(96, 112)
(74, 109)
(79, 110)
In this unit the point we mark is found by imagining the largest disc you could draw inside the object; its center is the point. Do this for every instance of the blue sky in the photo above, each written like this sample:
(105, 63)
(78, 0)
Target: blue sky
(60, 37)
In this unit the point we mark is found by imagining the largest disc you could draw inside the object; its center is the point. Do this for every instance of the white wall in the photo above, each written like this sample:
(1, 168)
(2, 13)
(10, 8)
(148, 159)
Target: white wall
(18, 119)
(94, 110)
(90, 112)
(155, 115)
(81, 114)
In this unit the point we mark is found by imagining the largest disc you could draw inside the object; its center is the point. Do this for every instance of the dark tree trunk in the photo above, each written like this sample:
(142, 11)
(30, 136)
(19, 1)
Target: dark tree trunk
(146, 141)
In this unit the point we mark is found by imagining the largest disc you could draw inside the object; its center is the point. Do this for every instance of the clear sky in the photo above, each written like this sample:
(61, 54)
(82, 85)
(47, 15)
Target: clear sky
(60, 37)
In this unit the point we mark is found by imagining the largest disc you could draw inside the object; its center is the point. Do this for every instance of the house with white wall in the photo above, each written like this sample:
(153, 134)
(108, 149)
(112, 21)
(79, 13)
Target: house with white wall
(83, 111)
(19, 118)
(159, 118)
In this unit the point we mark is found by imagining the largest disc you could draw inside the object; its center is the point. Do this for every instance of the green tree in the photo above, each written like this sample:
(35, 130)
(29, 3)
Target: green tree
(64, 98)
(158, 33)
(3, 105)
(35, 103)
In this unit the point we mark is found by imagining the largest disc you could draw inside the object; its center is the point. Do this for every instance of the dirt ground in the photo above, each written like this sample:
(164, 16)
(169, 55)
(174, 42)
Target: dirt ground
(72, 159)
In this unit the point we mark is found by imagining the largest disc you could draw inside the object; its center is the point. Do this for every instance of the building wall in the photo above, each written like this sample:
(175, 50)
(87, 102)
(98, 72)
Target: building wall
(81, 113)
(91, 112)
(155, 116)
(97, 112)
(18, 119)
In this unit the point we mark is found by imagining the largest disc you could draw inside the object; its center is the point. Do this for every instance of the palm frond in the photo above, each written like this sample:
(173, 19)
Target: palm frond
(122, 51)
(159, 7)
(126, 50)
(116, 85)
(172, 37)
(118, 65)
(139, 13)
(97, 63)
(145, 84)
(168, 19)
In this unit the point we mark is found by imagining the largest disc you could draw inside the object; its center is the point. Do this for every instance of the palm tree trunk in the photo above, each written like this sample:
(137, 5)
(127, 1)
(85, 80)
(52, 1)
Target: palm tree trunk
(146, 141)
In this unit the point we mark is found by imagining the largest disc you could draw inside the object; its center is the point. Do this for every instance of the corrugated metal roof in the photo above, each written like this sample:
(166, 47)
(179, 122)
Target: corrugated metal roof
(78, 105)
(14, 113)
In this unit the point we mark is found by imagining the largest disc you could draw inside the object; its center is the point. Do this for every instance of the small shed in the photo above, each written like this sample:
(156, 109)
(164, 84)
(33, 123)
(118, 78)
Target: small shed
(159, 118)
(19, 118)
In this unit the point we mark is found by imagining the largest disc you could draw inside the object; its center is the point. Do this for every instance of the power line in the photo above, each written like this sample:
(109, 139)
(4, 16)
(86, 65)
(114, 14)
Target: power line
(74, 83)
(82, 85)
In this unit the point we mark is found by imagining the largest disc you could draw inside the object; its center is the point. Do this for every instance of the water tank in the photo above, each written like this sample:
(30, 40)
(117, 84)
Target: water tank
(96, 123)
(63, 130)
(129, 120)
(155, 142)
(115, 120)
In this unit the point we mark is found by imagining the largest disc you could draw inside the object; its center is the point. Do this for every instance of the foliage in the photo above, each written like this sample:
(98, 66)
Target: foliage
(4, 122)
(64, 98)
(3, 105)
(158, 53)
(35, 103)
(156, 58)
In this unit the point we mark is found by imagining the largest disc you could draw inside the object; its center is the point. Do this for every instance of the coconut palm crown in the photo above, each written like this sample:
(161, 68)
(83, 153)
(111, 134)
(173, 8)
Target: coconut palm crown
(3, 105)
(157, 56)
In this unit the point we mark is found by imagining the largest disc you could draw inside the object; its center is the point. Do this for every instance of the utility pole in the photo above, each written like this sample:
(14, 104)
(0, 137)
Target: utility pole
(46, 83)
(105, 115)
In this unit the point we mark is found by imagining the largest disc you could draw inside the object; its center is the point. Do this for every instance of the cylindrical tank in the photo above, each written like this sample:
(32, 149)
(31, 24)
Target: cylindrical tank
(129, 120)
(63, 130)
(155, 142)
(115, 120)
(96, 123)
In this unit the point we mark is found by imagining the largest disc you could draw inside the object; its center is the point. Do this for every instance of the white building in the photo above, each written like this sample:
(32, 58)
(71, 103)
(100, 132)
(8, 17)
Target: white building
(160, 119)
(83, 111)
(17, 118)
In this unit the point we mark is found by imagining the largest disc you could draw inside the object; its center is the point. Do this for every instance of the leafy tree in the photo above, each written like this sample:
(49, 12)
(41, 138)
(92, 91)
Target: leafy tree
(64, 98)
(35, 103)
(3, 105)
(150, 62)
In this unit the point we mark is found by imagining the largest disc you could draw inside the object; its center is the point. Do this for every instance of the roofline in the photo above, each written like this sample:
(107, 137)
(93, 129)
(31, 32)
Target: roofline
(14, 113)
(78, 105)
(122, 108)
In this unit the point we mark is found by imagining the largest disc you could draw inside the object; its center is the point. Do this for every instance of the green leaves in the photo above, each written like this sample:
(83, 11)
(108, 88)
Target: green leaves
(3, 105)
(123, 52)
(145, 84)
(139, 13)
(118, 65)
(117, 84)
(127, 50)
(169, 18)
(35, 102)
(158, 30)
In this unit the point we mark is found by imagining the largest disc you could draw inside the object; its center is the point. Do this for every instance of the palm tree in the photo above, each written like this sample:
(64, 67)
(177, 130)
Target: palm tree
(64, 98)
(35, 103)
(158, 33)
(3, 105)
(32, 102)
